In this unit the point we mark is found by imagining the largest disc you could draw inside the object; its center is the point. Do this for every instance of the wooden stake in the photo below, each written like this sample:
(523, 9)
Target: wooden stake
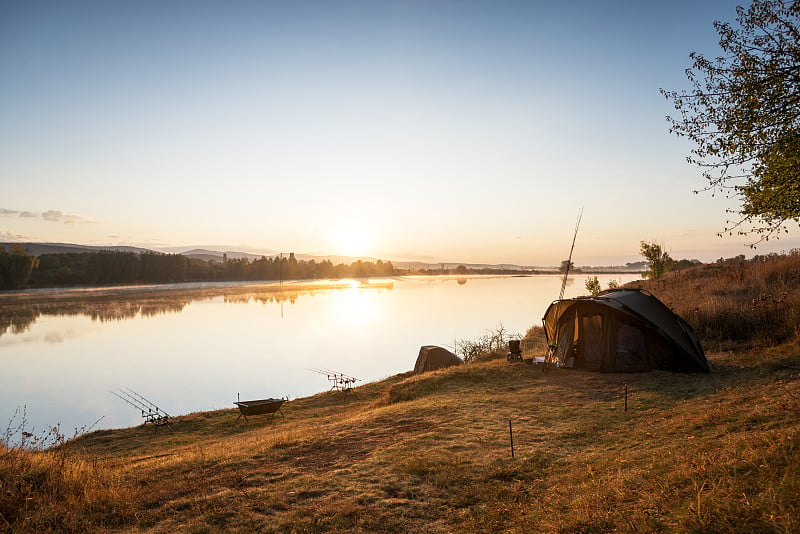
(626, 396)
(511, 437)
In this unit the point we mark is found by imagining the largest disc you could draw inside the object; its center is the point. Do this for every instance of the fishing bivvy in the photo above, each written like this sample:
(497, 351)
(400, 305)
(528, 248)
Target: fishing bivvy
(621, 330)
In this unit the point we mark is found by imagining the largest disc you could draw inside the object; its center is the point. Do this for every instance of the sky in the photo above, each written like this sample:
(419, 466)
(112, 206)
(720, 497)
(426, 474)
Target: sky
(431, 131)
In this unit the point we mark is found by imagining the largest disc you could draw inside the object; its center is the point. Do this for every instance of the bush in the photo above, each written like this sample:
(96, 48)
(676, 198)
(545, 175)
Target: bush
(490, 346)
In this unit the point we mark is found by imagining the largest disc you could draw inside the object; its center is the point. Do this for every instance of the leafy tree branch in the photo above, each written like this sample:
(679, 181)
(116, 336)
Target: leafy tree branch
(743, 116)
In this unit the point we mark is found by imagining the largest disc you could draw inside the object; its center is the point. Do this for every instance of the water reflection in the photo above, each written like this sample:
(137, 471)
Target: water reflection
(55, 337)
(18, 311)
(195, 347)
(16, 319)
(17, 315)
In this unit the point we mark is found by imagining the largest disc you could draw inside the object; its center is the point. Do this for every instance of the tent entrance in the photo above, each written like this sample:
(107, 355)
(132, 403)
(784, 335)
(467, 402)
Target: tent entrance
(591, 346)
(566, 340)
(631, 349)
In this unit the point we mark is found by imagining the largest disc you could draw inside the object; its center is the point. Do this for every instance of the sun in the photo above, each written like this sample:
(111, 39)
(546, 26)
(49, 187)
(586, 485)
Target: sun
(352, 240)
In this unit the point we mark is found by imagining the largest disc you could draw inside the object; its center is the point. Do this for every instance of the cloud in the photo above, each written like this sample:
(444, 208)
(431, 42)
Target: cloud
(65, 218)
(74, 219)
(8, 236)
(49, 215)
(53, 215)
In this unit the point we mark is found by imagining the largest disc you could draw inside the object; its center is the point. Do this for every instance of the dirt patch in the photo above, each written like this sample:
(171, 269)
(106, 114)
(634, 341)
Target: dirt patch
(352, 444)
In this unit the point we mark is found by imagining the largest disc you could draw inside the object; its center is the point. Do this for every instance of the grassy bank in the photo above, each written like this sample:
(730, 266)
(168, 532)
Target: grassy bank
(431, 453)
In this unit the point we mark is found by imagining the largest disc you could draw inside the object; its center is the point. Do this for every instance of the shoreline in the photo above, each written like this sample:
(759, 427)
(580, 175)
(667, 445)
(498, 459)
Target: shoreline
(123, 289)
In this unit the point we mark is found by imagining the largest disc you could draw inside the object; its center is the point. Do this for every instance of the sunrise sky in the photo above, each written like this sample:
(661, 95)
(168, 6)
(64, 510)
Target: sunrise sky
(433, 131)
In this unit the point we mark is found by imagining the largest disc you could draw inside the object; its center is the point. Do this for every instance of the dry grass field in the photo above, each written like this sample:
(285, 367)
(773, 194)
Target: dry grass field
(432, 453)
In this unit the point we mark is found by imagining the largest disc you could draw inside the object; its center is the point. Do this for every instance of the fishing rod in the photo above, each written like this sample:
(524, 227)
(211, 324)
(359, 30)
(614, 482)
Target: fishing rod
(330, 372)
(132, 402)
(150, 412)
(569, 260)
(149, 404)
(339, 380)
(554, 346)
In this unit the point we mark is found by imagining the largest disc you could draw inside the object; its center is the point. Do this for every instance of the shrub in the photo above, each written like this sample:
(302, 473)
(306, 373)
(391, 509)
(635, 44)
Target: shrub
(491, 345)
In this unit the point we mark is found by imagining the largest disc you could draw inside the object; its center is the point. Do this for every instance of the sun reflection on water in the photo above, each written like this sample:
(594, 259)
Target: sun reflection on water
(354, 306)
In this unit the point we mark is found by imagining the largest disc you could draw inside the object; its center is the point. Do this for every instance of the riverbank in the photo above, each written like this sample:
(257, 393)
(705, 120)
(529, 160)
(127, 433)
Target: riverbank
(432, 453)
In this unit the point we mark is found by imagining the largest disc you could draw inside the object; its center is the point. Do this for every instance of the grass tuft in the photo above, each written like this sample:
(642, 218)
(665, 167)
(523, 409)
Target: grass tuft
(50, 490)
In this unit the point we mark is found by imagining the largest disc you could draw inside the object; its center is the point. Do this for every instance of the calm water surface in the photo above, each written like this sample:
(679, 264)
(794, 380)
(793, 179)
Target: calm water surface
(194, 347)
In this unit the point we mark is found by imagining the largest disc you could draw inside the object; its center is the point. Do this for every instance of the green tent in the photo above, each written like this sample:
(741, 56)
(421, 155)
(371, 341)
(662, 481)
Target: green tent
(431, 358)
(622, 330)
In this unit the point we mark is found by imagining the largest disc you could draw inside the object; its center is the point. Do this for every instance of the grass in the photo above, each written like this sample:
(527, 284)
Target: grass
(737, 302)
(431, 453)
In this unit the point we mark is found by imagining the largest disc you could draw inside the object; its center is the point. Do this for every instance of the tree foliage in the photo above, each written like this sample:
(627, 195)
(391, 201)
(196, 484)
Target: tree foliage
(658, 259)
(15, 268)
(743, 115)
(111, 267)
(593, 285)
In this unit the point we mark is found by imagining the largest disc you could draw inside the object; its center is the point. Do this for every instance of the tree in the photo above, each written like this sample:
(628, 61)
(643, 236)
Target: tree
(657, 259)
(566, 265)
(685, 264)
(593, 285)
(743, 115)
(16, 267)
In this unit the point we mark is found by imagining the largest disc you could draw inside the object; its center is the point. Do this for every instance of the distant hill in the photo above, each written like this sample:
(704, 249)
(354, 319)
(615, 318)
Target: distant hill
(418, 266)
(216, 255)
(37, 249)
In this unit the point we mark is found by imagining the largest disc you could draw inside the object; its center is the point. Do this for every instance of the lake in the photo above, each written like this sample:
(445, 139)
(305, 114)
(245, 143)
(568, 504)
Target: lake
(196, 347)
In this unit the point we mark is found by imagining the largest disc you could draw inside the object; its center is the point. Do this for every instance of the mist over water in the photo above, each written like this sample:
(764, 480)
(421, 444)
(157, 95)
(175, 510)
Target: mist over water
(196, 347)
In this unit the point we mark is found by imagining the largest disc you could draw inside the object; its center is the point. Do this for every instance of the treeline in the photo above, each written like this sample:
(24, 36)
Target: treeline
(15, 268)
(19, 269)
(463, 270)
